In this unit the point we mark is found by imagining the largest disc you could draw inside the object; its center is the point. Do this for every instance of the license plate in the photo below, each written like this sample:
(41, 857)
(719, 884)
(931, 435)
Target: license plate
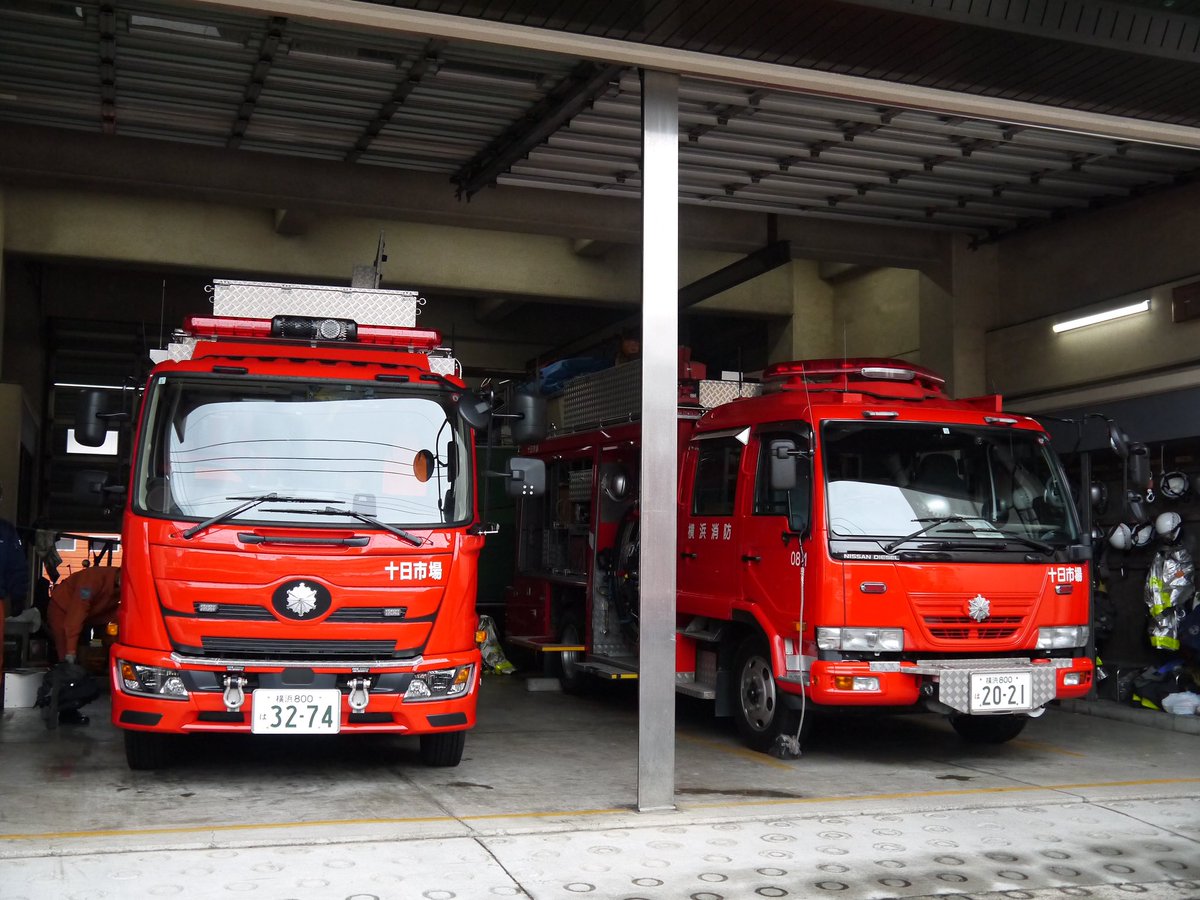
(286, 711)
(1000, 691)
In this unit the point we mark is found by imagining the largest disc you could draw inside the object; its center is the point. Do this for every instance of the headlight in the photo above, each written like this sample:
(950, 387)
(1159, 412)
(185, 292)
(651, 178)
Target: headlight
(1062, 637)
(439, 684)
(871, 640)
(151, 681)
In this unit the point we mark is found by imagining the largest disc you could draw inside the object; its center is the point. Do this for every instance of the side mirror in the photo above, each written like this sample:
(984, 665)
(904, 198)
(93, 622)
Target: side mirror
(526, 477)
(528, 417)
(92, 486)
(476, 411)
(785, 468)
(90, 425)
(88, 485)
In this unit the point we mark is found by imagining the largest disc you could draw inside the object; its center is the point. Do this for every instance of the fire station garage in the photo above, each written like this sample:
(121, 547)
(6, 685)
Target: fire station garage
(750, 449)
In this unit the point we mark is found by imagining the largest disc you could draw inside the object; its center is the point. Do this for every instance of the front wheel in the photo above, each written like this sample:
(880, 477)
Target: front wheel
(146, 750)
(988, 729)
(574, 680)
(444, 750)
(758, 710)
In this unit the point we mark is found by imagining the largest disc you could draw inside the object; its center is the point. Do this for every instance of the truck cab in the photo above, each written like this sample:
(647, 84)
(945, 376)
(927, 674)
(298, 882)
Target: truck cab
(850, 538)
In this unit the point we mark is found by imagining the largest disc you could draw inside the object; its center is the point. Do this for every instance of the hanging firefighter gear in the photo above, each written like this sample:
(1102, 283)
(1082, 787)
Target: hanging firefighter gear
(1170, 591)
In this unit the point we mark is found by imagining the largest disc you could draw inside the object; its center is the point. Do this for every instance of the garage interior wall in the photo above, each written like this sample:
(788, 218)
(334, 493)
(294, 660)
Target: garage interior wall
(935, 315)
(1141, 249)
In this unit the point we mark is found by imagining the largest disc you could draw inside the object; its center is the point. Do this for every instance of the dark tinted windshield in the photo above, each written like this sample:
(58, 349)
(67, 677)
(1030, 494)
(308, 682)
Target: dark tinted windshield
(393, 453)
(887, 479)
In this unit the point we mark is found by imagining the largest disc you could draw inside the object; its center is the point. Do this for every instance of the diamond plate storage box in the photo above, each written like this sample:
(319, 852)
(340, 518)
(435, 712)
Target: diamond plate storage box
(714, 393)
(610, 395)
(265, 299)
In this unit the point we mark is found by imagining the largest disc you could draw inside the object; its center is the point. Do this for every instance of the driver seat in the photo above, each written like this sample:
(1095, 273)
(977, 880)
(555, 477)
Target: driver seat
(937, 473)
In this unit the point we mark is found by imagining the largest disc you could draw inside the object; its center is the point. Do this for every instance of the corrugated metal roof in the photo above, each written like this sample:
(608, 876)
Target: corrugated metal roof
(277, 86)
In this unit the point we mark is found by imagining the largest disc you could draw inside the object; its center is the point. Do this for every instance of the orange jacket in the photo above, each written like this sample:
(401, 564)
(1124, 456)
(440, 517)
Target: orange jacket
(88, 597)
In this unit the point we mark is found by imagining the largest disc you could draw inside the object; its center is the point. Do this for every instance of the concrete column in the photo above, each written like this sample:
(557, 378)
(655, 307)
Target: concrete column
(957, 306)
(660, 401)
(809, 333)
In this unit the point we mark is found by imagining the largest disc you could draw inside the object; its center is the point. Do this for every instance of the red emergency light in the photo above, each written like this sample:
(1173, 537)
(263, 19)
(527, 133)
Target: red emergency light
(309, 328)
(843, 372)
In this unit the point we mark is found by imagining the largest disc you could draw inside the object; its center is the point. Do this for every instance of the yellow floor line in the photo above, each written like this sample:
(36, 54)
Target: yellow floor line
(577, 813)
(1048, 748)
(741, 752)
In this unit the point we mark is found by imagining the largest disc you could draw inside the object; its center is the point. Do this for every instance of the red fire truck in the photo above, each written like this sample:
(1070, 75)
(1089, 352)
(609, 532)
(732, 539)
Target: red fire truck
(851, 538)
(300, 536)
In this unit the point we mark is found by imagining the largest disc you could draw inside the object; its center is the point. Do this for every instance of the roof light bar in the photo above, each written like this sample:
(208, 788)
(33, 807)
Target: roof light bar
(867, 369)
(1095, 318)
(313, 329)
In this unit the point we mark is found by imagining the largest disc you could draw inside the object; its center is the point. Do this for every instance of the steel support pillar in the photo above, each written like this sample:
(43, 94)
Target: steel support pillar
(660, 403)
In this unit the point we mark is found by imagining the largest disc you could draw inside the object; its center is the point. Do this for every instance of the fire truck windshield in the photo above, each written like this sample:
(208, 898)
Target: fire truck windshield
(900, 481)
(358, 453)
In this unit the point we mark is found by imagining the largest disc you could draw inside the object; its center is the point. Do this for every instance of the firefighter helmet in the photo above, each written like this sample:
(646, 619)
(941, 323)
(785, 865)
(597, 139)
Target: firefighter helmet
(1174, 485)
(1169, 525)
(1143, 534)
(1121, 537)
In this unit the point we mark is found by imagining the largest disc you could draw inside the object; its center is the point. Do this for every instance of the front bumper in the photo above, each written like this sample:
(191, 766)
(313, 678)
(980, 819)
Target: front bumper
(946, 682)
(204, 709)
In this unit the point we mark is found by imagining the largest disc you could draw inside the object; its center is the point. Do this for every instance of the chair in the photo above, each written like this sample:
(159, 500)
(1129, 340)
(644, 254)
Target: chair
(937, 473)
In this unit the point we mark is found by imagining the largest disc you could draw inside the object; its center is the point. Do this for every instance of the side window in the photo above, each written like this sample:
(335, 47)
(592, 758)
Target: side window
(715, 484)
(771, 501)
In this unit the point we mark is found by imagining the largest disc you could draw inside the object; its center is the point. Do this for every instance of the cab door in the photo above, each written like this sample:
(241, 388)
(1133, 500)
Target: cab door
(774, 533)
(709, 571)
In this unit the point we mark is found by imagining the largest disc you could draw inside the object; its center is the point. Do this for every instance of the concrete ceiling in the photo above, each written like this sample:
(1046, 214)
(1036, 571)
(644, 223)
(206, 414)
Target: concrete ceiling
(280, 79)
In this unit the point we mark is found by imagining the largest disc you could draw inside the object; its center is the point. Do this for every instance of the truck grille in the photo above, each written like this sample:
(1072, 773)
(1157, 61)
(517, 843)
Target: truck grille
(249, 648)
(964, 628)
(240, 611)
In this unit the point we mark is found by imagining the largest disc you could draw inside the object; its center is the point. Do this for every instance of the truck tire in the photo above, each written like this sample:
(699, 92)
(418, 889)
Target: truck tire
(758, 711)
(445, 749)
(988, 729)
(146, 750)
(566, 664)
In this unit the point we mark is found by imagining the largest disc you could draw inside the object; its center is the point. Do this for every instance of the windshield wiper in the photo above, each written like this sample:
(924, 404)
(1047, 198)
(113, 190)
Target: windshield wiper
(250, 503)
(355, 514)
(1029, 542)
(932, 522)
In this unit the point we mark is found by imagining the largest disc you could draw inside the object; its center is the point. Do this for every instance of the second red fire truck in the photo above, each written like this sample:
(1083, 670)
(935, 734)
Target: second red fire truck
(851, 538)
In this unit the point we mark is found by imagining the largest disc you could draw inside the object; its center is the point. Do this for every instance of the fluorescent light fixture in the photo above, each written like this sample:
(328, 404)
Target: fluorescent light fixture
(1132, 309)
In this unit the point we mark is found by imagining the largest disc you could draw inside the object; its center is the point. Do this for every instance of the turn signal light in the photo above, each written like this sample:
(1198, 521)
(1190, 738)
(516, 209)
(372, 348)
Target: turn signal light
(855, 683)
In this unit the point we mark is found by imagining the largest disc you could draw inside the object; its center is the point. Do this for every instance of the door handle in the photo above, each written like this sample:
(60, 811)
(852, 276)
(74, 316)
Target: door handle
(747, 557)
(688, 554)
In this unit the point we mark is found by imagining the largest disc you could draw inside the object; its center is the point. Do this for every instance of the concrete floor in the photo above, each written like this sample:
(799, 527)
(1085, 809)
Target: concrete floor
(541, 807)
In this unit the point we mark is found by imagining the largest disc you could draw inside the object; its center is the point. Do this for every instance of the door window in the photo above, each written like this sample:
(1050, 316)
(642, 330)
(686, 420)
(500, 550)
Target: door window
(715, 485)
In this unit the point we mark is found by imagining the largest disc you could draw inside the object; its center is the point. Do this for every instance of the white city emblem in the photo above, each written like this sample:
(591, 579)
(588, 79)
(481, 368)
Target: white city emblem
(979, 608)
(301, 599)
